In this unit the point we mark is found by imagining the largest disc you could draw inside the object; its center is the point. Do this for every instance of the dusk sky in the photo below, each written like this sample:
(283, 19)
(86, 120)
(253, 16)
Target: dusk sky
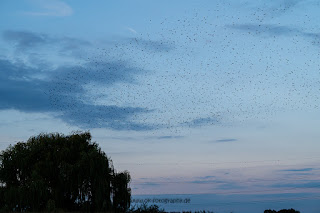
(191, 97)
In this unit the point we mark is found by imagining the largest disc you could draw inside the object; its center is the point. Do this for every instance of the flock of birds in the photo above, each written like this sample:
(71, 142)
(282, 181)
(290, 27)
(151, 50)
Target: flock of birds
(207, 68)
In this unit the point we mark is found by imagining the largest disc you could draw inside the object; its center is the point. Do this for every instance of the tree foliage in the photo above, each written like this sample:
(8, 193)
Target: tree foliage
(144, 208)
(121, 196)
(281, 211)
(53, 171)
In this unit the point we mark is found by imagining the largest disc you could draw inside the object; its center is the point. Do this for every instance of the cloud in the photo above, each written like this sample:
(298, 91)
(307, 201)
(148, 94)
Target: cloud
(306, 184)
(168, 137)
(202, 122)
(25, 41)
(142, 45)
(290, 3)
(226, 140)
(105, 73)
(227, 186)
(207, 177)
(276, 30)
(112, 117)
(298, 170)
(77, 94)
(131, 30)
(19, 91)
(121, 138)
(280, 6)
(148, 184)
(217, 183)
(32, 44)
(148, 44)
(51, 8)
(261, 11)
(207, 181)
(63, 94)
(261, 29)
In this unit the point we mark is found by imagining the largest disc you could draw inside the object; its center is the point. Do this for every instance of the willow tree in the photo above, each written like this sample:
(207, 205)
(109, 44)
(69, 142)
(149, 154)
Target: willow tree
(53, 171)
(121, 191)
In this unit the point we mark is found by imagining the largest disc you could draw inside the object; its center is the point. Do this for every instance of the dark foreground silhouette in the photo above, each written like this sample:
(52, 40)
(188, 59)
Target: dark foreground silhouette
(57, 173)
(53, 172)
(155, 209)
(282, 211)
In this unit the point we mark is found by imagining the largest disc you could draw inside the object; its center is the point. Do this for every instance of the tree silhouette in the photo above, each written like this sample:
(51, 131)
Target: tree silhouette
(121, 196)
(281, 211)
(53, 171)
(144, 208)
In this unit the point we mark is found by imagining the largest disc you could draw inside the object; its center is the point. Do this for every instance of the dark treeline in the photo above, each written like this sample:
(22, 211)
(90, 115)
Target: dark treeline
(56, 173)
(53, 172)
(155, 209)
(282, 211)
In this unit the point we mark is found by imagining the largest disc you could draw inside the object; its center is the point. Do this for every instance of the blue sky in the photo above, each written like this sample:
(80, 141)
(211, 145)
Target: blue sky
(218, 96)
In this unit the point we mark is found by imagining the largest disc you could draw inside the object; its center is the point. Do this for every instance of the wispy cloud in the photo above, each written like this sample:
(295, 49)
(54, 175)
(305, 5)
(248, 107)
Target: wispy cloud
(149, 184)
(149, 45)
(217, 183)
(205, 121)
(131, 30)
(225, 140)
(25, 41)
(279, 7)
(261, 11)
(298, 170)
(266, 30)
(262, 29)
(304, 184)
(207, 177)
(50, 8)
(207, 181)
(168, 137)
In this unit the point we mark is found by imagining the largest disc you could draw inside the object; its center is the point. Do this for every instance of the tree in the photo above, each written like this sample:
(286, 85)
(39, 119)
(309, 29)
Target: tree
(121, 194)
(144, 208)
(53, 171)
(281, 211)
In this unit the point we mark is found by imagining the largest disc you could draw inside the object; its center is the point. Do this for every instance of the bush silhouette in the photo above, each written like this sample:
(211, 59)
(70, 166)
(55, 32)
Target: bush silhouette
(144, 208)
(282, 211)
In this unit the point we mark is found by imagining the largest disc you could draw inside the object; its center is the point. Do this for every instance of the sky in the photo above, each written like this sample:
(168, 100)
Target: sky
(191, 97)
